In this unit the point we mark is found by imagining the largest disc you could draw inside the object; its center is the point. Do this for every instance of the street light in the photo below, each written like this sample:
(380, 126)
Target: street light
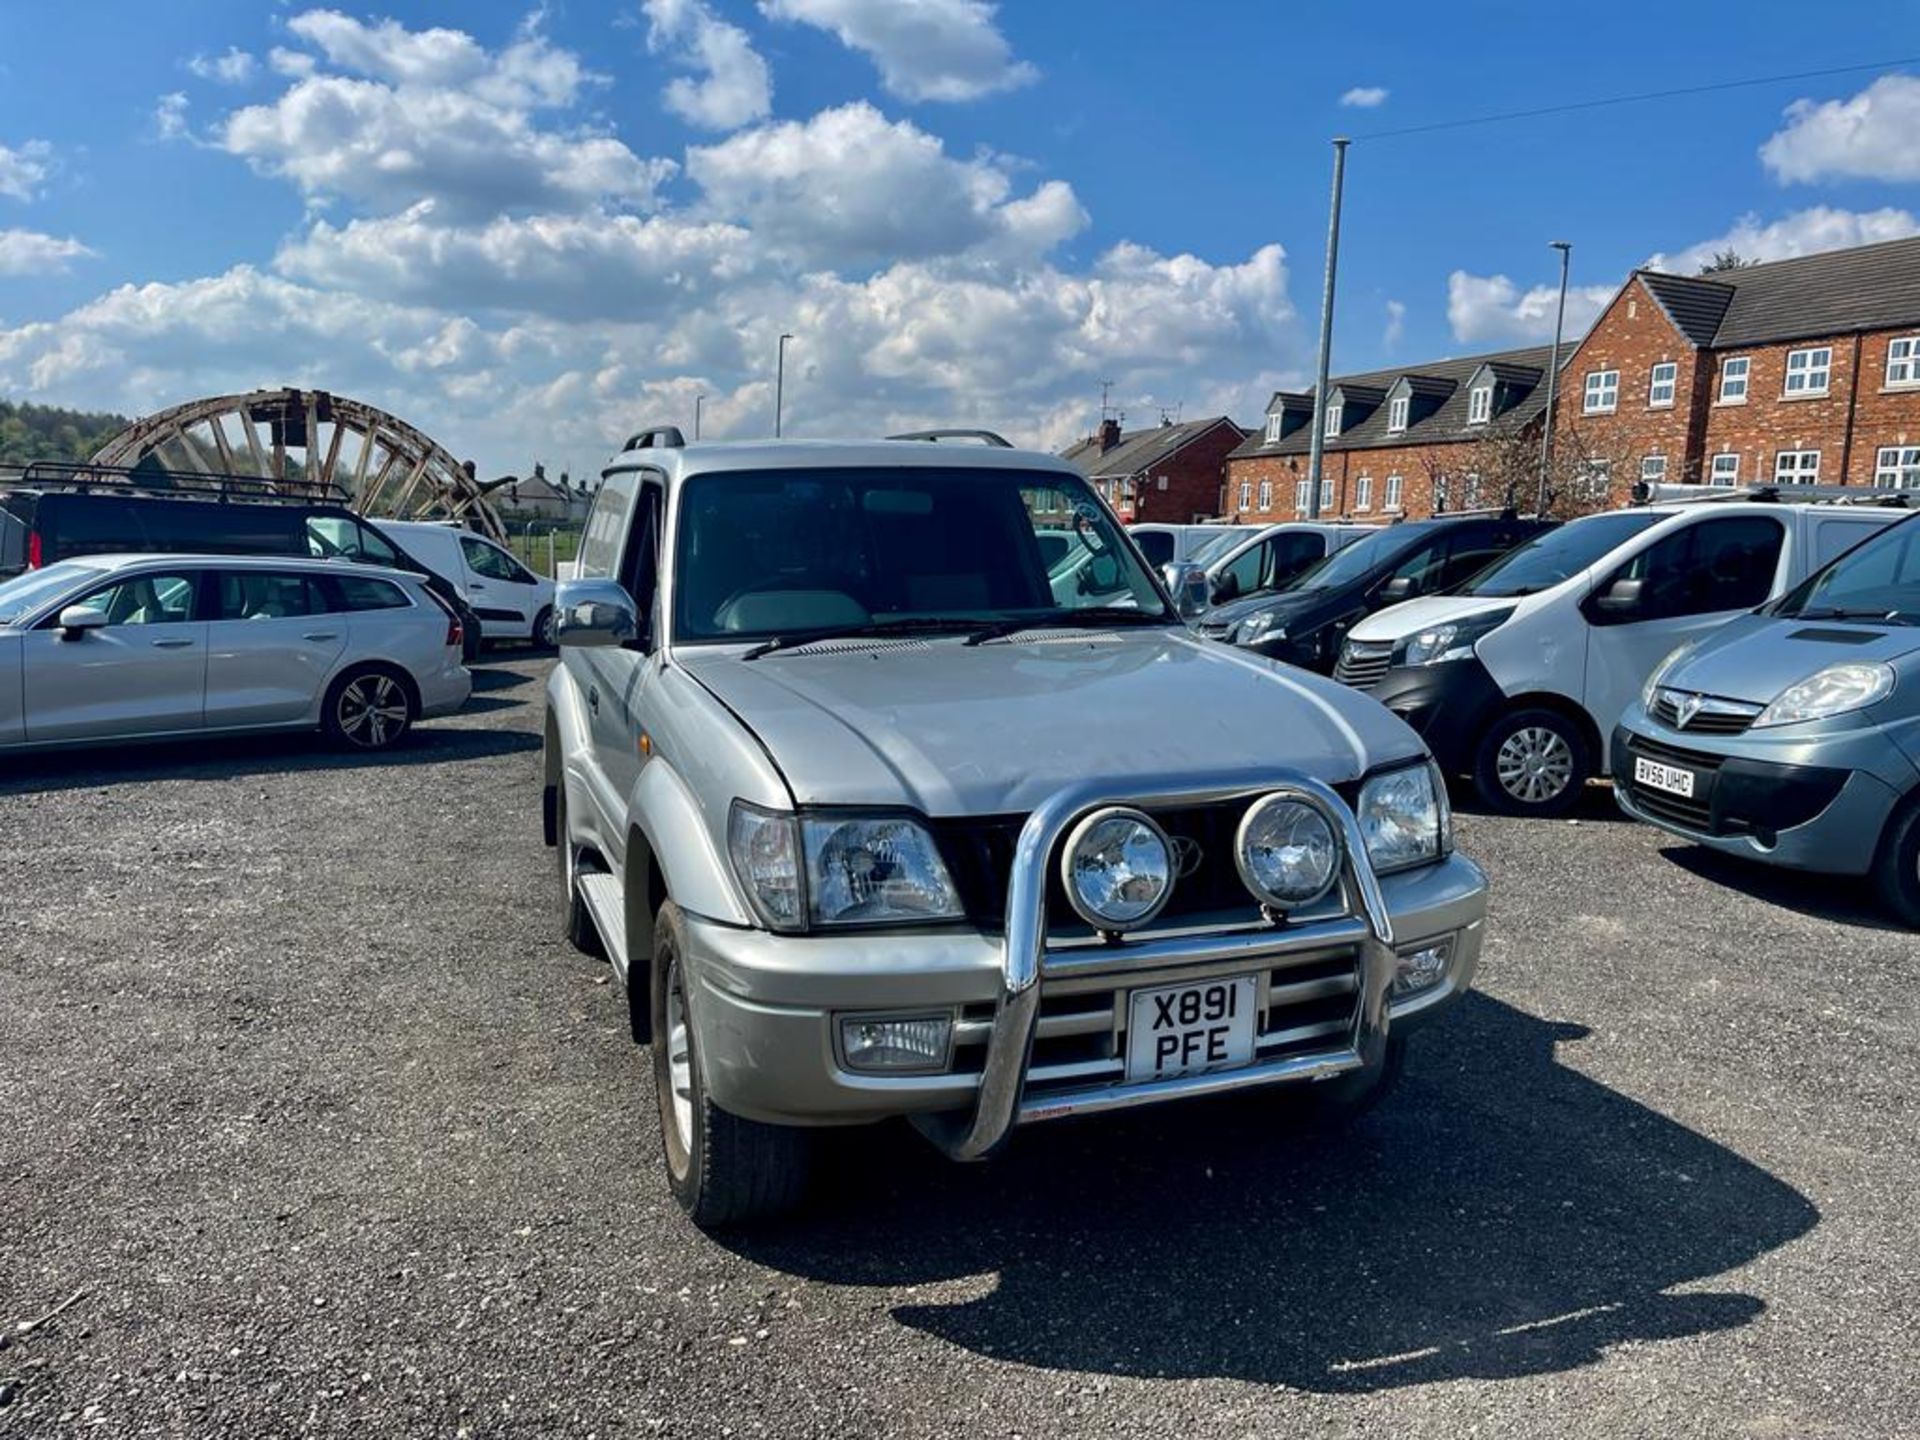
(779, 381)
(1317, 442)
(698, 400)
(1553, 377)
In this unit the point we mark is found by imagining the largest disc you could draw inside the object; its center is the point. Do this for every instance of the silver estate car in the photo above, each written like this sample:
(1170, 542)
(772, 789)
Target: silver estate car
(126, 647)
(1791, 736)
(876, 819)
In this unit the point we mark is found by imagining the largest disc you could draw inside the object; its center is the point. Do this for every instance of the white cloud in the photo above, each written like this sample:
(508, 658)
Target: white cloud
(1804, 232)
(1489, 309)
(926, 50)
(170, 117)
(235, 67)
(1365, 97)
(28, 252)
(1867, 137)
(850, 187)
(737, 87)
(24, 169)
(295, 63)
(1396, 325)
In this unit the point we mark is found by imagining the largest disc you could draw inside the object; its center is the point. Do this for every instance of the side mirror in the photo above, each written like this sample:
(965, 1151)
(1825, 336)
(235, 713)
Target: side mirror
(1399, 588)
(594, 615)
(1621, 598)
(76, 620)
(1187, 583)
(1226, 588)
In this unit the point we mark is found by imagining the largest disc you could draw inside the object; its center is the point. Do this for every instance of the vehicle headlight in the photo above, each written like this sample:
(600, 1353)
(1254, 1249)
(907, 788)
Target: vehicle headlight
(1255, 626)
(1287, 851)
(1659, 675)
(839, 870)
(1833, 691)
(1454, 640)
(1404, 818)
(1117, 868)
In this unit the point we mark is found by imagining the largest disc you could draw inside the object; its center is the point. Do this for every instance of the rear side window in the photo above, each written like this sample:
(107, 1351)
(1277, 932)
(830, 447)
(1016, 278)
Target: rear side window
(1832, 537)
(269, 595)
(1156, 545)
(223, 528)
(89, 525)
(13, 536)
(358, 593)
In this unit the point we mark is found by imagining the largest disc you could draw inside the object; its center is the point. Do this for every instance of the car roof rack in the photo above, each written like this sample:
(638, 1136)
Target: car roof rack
(1678, 493)
(657, 437)
(86, 477)
(985, 437)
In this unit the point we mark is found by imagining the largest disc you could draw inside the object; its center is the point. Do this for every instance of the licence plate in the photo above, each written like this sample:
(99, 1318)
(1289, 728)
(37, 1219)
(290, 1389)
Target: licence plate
(1190, 1029)
(1670, 778)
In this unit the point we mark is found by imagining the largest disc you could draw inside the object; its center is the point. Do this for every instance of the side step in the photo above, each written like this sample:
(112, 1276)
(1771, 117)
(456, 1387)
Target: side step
(607, 903)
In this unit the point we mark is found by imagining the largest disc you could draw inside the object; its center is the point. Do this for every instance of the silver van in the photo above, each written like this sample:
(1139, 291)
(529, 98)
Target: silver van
(1792, 735)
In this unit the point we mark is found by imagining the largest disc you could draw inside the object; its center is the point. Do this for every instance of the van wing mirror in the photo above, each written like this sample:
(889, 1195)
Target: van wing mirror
(76, 620)
(1622, 597)
(594, 615)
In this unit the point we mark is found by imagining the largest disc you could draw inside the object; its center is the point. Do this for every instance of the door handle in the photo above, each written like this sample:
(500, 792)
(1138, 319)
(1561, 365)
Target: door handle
(593, 698)
(171, 644)
(476, 584)
(321, 635)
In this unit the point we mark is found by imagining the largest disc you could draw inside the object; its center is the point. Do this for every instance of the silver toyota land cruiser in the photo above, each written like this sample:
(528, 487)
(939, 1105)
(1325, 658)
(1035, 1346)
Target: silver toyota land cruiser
(890, 782)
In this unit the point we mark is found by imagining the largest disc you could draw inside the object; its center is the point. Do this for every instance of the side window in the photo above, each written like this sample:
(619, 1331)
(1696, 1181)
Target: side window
(640, 569)
(1247, 569)
(1833, 537)
(1423, 567)
(145, 600)
(495, 564)
(1470, 553)
(268, 595)
(606, 527)
(90, 525)
(1712, 566)
(1293, 554)
(1156, 545)
(358, 593)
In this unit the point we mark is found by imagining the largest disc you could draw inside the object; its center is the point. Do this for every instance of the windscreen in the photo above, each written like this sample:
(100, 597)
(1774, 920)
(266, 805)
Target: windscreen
(764, 555)
(1360, 557)
(1549, 558)
(1879, 581)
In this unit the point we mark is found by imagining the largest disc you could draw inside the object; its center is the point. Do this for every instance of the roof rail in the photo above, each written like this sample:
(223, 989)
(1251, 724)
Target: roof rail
(985, 437)
(1677, 493)
(85, 476)
(657, 437)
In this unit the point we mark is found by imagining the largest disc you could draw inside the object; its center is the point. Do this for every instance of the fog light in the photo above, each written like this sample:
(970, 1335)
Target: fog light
(908, 1042)
(1424, 968)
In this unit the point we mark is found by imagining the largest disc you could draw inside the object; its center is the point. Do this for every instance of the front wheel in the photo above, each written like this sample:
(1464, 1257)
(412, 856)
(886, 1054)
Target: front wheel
(1896, 874)
(1532, 762)
(723, 1169)
(544, 630)
(367, 710)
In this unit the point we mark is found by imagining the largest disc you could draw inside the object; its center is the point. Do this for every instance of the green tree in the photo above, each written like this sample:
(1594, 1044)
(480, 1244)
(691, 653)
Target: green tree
(1727, 259)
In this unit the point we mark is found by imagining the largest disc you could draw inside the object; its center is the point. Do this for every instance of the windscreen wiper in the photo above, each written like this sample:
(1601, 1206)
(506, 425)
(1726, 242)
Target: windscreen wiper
(1838, 612)
(926, 625)
(1090, 618)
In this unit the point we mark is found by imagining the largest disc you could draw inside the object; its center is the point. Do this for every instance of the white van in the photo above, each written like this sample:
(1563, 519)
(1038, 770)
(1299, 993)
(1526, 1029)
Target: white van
(1517, 677)
(512, 602)
(1269, 557)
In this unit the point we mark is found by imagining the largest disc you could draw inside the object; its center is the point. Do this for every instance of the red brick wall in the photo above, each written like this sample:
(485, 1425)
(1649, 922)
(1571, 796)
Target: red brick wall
(1632, 336)
(1416, 465)
(1193, 474)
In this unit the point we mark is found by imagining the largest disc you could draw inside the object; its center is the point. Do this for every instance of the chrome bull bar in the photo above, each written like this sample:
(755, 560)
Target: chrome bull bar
(1026, 957)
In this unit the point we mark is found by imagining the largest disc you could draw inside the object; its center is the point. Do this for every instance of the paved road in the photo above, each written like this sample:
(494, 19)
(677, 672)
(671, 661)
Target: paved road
(304, 1095)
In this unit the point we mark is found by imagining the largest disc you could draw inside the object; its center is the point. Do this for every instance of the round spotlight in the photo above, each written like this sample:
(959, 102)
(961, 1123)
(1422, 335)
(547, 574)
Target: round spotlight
(1287, 851)
(1118, 869)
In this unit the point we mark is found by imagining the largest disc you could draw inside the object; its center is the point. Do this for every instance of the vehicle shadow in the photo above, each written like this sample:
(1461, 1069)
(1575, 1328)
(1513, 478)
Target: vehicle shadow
(486, 680)
(1596, 803)
(1503, 1216)
(1842, 899)
(231, 756)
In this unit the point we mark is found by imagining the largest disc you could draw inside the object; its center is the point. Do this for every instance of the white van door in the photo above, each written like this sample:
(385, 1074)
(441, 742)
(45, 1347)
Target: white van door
(503, 592)
(1683, 586)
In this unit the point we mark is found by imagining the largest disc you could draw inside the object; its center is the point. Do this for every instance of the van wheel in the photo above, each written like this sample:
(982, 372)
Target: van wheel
(723, 1169)
(1532, 762)
(367, 709)
(543, 630)
(576, 921)
(1897, 872)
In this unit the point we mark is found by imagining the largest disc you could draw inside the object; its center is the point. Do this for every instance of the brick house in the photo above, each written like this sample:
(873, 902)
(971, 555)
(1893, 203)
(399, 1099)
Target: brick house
(1171, 472)
(1412, 441)
(1795, 371)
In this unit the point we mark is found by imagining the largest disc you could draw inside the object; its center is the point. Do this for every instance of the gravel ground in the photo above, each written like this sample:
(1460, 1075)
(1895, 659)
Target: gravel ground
(331, 1135)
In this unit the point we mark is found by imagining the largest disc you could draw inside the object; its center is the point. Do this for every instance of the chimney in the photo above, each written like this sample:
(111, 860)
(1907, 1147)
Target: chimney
(1109, 435)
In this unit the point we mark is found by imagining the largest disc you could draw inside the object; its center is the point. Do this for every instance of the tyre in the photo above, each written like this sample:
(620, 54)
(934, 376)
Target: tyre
(543, 630)
(1336, 1104)
(368, 709)
(723, 1169)
(576, 921)
(1896, 873)
(1533, 762)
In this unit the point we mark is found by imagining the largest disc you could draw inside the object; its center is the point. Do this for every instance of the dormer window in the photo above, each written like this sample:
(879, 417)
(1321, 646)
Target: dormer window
(1480, 404)
(1397, 414)
(1333, 420)
(1273, 428)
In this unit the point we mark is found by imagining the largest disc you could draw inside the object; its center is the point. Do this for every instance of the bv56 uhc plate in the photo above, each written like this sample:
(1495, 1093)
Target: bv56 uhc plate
(1187, 1029)
(1670, 778)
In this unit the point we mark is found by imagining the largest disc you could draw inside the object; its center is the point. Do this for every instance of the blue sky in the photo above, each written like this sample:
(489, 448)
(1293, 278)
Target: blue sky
(531, 230)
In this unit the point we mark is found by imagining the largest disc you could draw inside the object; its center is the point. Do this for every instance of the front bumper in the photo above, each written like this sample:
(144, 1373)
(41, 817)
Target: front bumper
(1448, 705)
(765, 1005)
(1816, 803)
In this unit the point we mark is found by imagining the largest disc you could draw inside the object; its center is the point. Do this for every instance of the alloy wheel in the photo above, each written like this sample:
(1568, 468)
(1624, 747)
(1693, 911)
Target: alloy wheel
(679, 1059)
(372, 711)
(1535, 764)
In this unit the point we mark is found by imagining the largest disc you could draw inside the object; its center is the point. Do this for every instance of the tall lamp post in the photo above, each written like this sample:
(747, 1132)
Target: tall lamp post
(779, 381)
(1553, 379)
(1317, 442)
(698, 400)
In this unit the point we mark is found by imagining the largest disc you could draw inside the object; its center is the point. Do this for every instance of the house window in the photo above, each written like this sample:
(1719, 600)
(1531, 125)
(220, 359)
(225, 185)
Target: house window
(1809, 370)
(1246, 494)
(1302, 496)
(1159, 482)
(1733, 380)
(1725, 471)
(1479, 405)
(1903, 360)
(1796, 467)
(1594, 480)
(1333, 420)
(1273, 429)
(1653, 469)
(1363, 493)
(1470, 493)
(1603, 392)
(1660, 388)
(1394, 487)
(1441, 489)
(1266, 494)
(1897, 467)
(1397, 414)
(1326, 494)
